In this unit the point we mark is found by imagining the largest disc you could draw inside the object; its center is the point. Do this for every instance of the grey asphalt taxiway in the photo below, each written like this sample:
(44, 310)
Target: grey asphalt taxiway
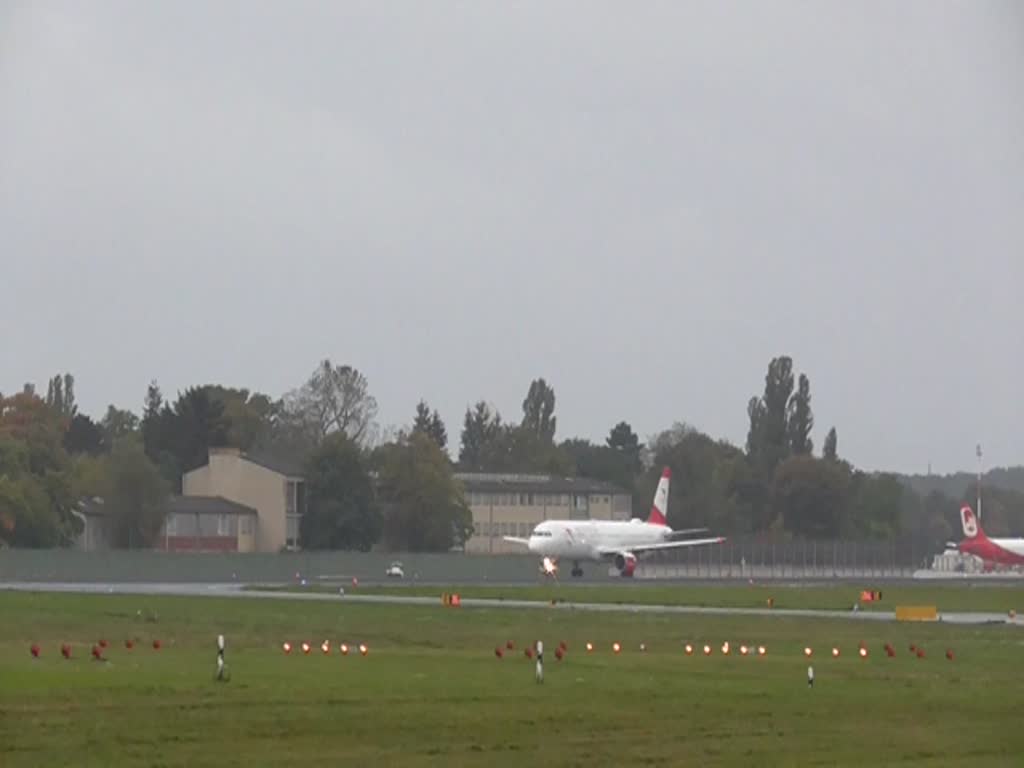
(239, 591)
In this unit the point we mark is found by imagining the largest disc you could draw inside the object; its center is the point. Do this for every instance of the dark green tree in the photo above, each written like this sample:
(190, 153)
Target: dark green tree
(876, 505)
(83, 436)
(198, 423)
(430, 424)
(481, 431)
(342, 511)
(423, 505)
(812, 497)
(624, 441)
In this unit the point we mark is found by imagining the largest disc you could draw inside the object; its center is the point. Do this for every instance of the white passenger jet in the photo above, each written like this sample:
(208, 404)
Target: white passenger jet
(603, 540)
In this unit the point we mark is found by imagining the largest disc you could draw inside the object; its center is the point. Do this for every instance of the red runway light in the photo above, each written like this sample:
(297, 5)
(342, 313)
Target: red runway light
(616, 647)
(835, 652)
(808, 651)
(761, 650)
(344, 649)
(590, 647)
(689, 649)
(498, 652)
(707, 650)
(286, 647)
(156, 645)
(863, 652)
(34, 650)
(363, 650)
(305, 648)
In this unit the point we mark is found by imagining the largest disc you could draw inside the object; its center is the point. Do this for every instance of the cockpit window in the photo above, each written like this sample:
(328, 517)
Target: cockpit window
(539, 532)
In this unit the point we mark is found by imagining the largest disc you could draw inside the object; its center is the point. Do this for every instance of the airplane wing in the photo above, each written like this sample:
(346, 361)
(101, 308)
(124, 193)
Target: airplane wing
(660, 545)
(687, 531)
(517, 540)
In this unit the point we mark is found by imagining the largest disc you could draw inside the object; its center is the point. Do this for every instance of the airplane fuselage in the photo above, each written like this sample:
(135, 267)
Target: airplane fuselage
(1001, 551)
(581, 540)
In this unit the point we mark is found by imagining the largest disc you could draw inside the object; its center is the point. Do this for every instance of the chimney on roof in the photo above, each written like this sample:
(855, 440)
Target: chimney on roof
(224, 450)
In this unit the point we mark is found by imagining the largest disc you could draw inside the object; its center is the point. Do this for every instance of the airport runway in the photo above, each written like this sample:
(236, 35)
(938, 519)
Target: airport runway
(238, 591)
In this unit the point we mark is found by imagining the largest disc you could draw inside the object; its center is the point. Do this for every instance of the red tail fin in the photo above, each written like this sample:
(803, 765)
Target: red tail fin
(659, 510)
(971, 526)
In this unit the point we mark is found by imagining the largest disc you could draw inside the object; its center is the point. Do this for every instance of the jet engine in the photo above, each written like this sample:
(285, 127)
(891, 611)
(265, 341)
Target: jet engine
(626, 563)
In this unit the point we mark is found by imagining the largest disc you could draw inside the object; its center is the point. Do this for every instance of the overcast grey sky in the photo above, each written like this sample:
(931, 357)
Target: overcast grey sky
(641, 202)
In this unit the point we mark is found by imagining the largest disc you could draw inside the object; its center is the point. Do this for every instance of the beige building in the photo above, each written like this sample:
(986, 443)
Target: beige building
(275, 490)
(207, 524)
(511, 505)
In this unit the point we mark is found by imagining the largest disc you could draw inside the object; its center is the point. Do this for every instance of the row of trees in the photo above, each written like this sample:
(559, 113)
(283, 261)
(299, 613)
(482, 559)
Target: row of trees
(401, 490)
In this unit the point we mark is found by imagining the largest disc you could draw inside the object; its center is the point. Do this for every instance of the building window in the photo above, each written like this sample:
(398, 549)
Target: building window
(223, 525)
(292, 532)
(172, 525)
(294, 507)
(247, 525)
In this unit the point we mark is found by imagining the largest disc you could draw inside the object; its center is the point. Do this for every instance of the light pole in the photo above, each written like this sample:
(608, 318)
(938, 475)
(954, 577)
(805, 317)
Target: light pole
(978, 451)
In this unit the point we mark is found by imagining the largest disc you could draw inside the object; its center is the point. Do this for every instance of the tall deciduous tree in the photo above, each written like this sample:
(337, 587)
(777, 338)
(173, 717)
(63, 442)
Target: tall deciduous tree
(423, 504)
(334, 399)
(60, 396)
(342, 509)
(118, 423)
(136, 496)
(250, 416)
(831, 445)
(539, 411)
(800, 419)
(35, 504)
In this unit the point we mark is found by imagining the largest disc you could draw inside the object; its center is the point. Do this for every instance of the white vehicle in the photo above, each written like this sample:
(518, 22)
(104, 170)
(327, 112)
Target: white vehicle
(601, 540)
(395, 571)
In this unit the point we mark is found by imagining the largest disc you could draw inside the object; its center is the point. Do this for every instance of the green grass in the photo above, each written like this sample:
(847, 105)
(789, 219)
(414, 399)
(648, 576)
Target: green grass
(431, 691)
(953, 597)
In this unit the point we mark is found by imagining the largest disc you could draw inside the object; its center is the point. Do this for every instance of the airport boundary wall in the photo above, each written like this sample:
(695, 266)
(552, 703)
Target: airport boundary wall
(754, 558)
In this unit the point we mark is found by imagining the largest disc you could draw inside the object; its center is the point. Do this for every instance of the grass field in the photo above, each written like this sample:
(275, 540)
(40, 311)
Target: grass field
(953, 597)
(432, 692)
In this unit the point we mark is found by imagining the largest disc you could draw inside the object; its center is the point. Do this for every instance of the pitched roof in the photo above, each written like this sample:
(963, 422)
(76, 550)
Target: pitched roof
(181, 505)
(497, 483)
(205, 505)
(283, 465)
